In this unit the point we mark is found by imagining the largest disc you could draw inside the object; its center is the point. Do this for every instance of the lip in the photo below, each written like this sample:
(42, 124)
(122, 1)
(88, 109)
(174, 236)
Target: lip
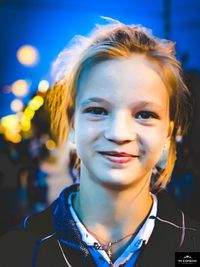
(117, 157)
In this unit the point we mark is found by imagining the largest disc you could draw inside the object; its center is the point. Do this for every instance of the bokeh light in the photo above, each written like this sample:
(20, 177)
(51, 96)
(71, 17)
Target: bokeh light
(10, 121)
(50, 144)
(29, 113)
(13, 136)
(11, 128)
(6, 89)
(20, 88)
(16, 105)
(36, 102)
(43, 86)
(25, 123)
(28, 55)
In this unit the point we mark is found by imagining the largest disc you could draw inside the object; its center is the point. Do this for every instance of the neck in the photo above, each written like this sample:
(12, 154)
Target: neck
(109, 213)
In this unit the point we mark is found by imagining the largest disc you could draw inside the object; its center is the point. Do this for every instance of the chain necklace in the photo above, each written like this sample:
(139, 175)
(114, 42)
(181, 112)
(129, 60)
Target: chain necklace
(108, 247)
(62, 251)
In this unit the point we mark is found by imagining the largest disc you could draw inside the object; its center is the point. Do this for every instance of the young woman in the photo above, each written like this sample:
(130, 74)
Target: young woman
(121, 100)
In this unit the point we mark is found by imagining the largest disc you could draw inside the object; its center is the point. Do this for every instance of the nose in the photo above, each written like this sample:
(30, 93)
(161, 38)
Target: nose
(120, 128)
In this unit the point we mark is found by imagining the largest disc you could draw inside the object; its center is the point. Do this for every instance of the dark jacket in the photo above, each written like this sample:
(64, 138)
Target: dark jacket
(36, 245)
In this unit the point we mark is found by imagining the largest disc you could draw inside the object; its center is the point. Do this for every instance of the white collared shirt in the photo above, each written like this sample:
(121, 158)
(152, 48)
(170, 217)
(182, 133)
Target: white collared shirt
(141, 237)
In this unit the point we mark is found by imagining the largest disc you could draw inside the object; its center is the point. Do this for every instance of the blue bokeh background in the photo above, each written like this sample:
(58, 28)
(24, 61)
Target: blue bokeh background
(50, 24)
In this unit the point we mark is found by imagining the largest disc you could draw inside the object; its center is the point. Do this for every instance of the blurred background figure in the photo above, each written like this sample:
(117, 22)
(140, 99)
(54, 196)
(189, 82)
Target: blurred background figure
(59, 170)
(33, 171)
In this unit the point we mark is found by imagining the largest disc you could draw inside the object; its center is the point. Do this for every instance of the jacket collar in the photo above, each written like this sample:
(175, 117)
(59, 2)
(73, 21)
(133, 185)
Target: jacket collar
(63, 222)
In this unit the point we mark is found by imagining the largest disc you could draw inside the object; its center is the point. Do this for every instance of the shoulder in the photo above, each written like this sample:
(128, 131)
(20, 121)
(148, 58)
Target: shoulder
(18, 248)
(169, 208)
(14, 247)
(39, 225)
(192, 235)
(31, 228)
(47, 222)
(169, 213)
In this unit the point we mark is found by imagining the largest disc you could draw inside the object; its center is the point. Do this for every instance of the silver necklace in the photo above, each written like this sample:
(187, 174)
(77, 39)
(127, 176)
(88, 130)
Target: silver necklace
(108, 247)
(68, 264)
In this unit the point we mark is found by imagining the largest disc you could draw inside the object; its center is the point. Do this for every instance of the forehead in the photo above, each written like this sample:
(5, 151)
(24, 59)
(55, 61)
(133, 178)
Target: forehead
(123, 80)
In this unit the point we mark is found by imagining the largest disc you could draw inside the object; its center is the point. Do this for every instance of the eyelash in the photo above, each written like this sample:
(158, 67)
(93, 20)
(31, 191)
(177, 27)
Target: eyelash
(99, 111)
(144, 115)
(150, 115)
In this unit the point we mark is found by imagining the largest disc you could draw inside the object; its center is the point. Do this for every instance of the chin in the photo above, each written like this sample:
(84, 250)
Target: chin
(116, 184)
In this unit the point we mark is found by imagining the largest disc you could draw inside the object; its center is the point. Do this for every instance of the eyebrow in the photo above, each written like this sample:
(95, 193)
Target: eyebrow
(146, 104)
(142, 104)
(93, 100)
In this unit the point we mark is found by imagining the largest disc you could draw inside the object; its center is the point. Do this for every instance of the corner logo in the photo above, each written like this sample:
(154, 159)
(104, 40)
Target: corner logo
(187, 259)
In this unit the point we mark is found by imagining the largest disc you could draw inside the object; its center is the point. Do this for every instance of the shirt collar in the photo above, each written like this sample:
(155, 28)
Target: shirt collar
(141, 237)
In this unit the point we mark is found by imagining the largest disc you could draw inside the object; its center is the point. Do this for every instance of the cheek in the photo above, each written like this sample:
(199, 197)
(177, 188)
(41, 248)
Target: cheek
(152, 142)
(85, 133)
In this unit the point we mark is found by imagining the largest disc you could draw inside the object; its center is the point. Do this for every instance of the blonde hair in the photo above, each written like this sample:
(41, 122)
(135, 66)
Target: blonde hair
(117, 40)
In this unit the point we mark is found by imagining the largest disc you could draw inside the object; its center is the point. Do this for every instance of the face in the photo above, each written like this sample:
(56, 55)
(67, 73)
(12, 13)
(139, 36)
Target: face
(121, 121)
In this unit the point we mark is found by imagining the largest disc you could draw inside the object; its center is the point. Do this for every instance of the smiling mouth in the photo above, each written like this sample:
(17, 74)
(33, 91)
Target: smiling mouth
(118, 157)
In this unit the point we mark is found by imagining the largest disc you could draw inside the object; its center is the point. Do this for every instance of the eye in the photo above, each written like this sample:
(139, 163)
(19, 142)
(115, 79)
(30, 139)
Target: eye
(146, 115)
(96, 111)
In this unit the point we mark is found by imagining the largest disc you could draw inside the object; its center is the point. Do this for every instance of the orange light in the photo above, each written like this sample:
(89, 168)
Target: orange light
(13, 136)
(20, 88)
(11, 128)
(50, 144)
(28, 55)
(16, 105)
